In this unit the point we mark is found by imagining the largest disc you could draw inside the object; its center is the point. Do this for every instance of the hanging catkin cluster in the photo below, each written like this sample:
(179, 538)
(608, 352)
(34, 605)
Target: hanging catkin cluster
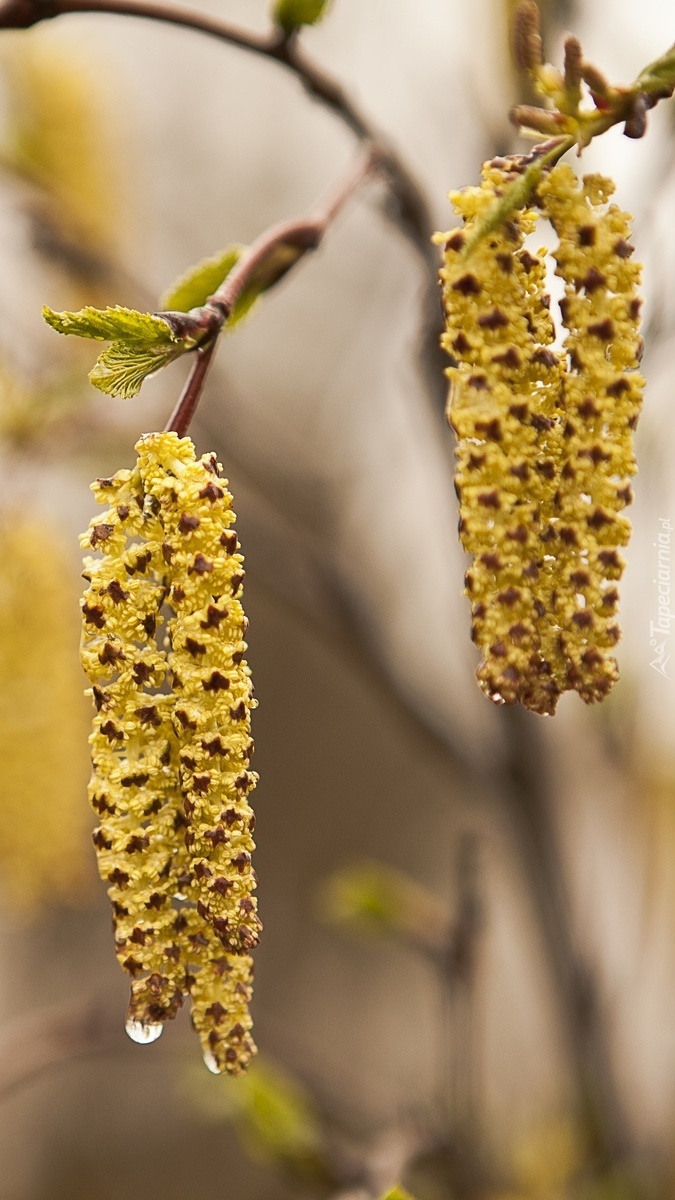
(544, 437)
(163, 646)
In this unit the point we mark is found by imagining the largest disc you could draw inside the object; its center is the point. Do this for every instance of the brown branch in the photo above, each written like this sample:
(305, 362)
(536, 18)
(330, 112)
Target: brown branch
(409, 210)
(261, 266)
(186, 405)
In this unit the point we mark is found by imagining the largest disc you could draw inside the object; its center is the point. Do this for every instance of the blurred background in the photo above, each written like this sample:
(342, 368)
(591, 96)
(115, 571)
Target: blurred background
(467, 975)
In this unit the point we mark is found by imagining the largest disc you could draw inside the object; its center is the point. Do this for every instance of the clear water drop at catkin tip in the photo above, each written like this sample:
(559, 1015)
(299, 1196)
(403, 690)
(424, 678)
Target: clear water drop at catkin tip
(142, 1033)
(211, 1062)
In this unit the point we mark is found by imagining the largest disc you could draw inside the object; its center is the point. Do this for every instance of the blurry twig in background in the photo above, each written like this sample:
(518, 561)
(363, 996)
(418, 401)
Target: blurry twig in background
(527, 798)
(459, 982)
(51, 1038)
(377, 899)
(411, 208)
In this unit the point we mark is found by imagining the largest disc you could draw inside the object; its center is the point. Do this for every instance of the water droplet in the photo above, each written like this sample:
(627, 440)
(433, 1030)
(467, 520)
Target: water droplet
(211, 1062)
(143, 1033)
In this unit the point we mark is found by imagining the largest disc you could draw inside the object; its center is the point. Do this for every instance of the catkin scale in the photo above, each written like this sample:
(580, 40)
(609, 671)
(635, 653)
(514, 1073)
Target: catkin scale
(176, 934)
(544, 438)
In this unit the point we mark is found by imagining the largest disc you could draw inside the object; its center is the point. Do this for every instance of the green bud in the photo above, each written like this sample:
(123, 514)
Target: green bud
(292, 14)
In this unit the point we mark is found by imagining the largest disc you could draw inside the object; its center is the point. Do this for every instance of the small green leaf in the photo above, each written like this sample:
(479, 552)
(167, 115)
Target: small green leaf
(142, 343)
(112, 325)
(193, 288)
(121, 369)
(291, 14)
(396, 1193)
(659, 74)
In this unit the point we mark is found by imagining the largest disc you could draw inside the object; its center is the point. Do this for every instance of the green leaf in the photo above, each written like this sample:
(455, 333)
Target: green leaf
(112, 325)
(121, 369)
(659, 74)
(396, 1193)
(291, 14)
(193, 288)
(142, 343)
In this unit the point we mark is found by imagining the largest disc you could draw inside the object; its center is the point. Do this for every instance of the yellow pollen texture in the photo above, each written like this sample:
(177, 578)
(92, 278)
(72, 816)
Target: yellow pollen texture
(544, 436)
(163, 647)
(603, 393)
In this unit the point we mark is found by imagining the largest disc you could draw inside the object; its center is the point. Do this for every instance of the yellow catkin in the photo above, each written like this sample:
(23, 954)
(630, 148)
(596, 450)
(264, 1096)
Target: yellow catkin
(505, 382)
(544, 438)
(42, 719)
(603, 389)
(171, 936)
(210, 680)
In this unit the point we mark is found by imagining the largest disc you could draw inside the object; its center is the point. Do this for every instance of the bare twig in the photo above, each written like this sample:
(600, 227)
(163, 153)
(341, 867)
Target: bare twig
(186, 406)
(410, 208)
(298, 236)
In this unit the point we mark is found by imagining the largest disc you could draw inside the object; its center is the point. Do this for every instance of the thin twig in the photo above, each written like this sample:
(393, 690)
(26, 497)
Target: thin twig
(300, 235)
(410, 209)
(179, 421)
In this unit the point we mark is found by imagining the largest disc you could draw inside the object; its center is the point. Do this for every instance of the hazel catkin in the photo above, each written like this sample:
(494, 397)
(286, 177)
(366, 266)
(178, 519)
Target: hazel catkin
(544, 436)
(505, 382)
(182, 899)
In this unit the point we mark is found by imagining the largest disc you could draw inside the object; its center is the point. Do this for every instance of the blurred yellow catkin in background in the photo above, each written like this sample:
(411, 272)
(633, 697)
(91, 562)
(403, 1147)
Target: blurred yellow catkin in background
(59, 135)
(58, 140)
(44, 817)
